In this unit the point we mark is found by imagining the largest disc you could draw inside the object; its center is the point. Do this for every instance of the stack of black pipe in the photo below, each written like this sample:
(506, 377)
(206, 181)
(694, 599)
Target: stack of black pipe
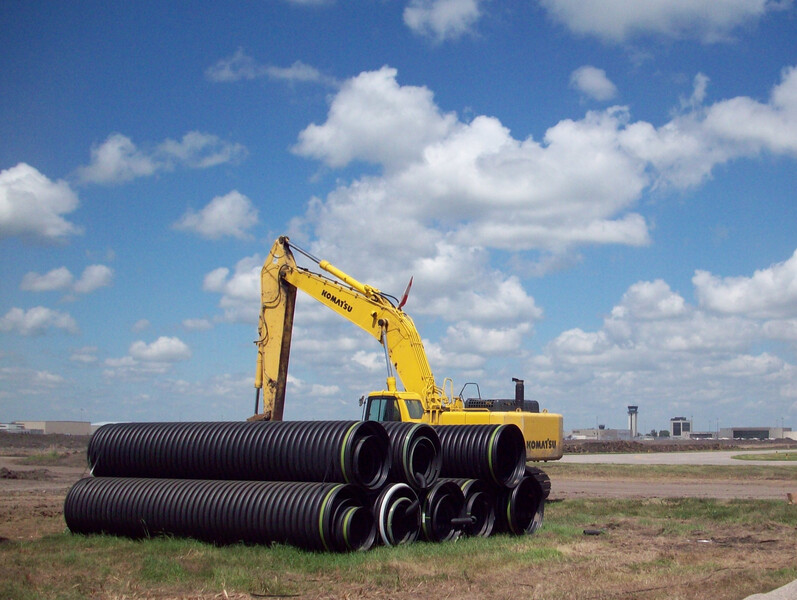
(318, 485)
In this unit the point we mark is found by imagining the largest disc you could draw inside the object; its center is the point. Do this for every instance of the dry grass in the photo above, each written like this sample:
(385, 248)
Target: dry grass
(650, 549)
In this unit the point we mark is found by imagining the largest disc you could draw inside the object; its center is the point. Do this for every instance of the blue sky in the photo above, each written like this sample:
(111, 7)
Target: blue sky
(597, 197)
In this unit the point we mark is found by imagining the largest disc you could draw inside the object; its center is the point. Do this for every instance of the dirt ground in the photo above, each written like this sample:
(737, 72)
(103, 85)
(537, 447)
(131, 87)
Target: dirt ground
(32, 491)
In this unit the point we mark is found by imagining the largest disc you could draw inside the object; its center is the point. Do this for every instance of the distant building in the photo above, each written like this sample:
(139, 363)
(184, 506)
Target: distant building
(63, 427)
(601, 434)
(680, 427)
(756, 433)
(11, 427)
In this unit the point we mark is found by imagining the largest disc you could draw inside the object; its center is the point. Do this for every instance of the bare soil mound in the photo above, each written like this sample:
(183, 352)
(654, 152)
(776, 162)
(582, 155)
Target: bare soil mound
(31, 474)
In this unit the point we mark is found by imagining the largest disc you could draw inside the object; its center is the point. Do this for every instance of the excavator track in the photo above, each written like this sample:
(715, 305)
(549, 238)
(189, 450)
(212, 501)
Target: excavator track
(542, 478)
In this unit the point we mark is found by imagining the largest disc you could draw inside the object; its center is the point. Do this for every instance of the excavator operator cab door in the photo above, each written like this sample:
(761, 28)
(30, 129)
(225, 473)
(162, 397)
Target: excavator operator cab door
(382, 408)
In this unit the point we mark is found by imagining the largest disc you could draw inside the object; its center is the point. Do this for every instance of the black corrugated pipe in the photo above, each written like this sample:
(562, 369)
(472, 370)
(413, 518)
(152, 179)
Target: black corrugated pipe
(397, 513)
(310, 515)
(343, 451)
(441, 512)
(479, 506)
(415, 453)
(496, 453)
(520, 510)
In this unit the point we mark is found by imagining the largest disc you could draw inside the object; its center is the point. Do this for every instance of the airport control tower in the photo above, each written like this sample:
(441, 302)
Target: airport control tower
(632, 420)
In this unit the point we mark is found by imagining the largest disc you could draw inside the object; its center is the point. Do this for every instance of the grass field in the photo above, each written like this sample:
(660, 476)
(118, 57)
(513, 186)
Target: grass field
(664, 548)
(779, 456)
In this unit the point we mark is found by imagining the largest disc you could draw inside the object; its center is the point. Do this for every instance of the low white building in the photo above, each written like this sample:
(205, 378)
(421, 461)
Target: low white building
(63, 427)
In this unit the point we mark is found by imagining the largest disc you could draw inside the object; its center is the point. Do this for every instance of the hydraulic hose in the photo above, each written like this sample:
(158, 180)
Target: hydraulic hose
(397, 513)
(309, 515)
(414, 452)
(341, 451)
(520, 510)
(495, 453)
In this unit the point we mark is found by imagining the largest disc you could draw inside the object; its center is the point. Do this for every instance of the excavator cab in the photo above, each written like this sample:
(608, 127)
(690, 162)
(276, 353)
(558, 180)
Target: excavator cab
(392, 406)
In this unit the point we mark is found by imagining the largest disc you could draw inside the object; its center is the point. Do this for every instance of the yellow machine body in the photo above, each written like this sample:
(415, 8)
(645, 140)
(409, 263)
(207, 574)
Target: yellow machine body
(365, 306)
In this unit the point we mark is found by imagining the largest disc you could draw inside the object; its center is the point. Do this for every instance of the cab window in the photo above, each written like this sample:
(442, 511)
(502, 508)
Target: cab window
(382, 409)
(414, 409)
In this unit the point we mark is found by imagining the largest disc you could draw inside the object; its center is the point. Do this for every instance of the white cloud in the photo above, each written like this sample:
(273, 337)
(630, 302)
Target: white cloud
(369, 109)
(86, 355)
(232, 214)
(240, 290)
(164, 349)
(61, 279)
(199, 150)
(769, 293)
(57, 279)
(37, 321)
(493, 190)
(654, 345)
(93, 278)
(593, 82)
(31, 382)
(141, 325)
(118, 159)
(197, 324)
(442, 19)
(33, 206)
(619, 20)
(241, 66)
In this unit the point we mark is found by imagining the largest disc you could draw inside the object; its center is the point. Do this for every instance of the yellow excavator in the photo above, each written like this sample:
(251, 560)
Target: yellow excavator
(382, 316)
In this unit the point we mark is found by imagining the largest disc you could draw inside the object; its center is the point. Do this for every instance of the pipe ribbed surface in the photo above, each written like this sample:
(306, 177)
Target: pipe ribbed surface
(441, 512)
(479, 506)
(343, 451)
(415, 453)
(309, 515)
(520, 510)
(397, 513)
(495, 453)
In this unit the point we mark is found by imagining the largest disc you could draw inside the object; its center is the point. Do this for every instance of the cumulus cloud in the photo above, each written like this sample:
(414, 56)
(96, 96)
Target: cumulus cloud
(145, 359)
(118, 159)
(229, 215)
(369, 109)
(37, 321)
(620, 20)
(164, 349)
(769, 293)
(93, 278)
(33, 206)
(593, 82)
(239, 289)
(61, 279)
(57, 279)
(654, 344)
(241, 66)
(31, 382)
(442, 19)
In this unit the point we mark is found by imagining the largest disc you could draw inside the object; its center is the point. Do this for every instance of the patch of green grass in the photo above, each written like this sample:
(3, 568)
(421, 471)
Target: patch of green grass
(778, 456)
(67, 566)
(49, 458)
(741, 472)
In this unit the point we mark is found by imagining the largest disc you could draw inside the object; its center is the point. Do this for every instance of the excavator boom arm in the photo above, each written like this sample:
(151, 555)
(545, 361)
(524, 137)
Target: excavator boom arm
(361, 304)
